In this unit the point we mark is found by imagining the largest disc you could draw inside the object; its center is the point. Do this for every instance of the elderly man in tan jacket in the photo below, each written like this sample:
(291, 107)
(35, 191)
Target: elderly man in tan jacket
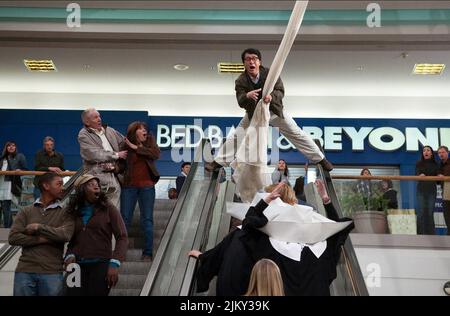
(99, 149)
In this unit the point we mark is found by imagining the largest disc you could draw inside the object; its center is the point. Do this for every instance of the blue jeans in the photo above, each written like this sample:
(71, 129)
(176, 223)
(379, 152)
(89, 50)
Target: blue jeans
(425, 214)
(38, 284)
(6, 209)
(146, 198)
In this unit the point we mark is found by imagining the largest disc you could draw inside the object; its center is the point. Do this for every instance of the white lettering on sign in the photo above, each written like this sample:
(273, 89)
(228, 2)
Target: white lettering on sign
(163, 136)
(357, 137)
(414, 136)
(384, 138)
(315, 132)
(333, 138)
(445, 136)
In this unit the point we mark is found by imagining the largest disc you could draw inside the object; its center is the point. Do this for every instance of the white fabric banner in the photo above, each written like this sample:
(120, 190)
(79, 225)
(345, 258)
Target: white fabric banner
(250, 166)
(290, 223)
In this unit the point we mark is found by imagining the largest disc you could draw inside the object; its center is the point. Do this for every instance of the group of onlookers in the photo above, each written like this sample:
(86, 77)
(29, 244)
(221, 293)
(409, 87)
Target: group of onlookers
(426, 190)
(119, 171)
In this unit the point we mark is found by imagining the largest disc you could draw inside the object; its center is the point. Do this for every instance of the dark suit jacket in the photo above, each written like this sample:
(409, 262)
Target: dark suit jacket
(244, 84)
(180, 182)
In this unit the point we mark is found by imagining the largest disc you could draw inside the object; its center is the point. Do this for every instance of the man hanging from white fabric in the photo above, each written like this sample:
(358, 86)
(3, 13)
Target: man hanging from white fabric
(248, 88)
(250, 163)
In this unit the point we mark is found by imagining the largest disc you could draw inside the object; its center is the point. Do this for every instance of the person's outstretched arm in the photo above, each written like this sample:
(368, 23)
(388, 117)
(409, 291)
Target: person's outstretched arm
(255, 217)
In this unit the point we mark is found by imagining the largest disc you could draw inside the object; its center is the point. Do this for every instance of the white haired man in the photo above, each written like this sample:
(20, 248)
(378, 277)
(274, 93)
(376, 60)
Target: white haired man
(99, 149)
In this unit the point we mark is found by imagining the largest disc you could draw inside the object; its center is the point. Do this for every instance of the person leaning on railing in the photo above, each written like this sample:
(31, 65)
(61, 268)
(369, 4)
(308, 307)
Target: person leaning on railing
(426, 192)
(445, 171)
(10, 185)
(47, 159)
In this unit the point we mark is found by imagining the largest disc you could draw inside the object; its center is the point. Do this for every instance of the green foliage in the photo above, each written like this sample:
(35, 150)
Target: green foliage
(352, 202)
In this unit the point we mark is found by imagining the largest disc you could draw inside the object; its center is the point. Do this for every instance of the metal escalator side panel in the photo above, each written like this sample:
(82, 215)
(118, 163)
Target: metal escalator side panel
(183, 202)
(202, 234)
(352, 270)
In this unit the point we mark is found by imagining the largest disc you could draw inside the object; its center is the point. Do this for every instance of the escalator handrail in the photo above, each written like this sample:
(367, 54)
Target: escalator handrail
(201, 236)
(69, 185)
(349, 256)
(167, 235)
(7, 254)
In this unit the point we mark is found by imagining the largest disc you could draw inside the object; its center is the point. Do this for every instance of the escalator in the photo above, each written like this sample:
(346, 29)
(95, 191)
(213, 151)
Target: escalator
(196, 217)
(200, 221)
(349, 280)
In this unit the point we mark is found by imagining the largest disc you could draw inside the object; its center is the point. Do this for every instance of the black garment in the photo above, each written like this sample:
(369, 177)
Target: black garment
(180, 182)
(233, 259)
(42, 161)
(93, 280)
(391, 196)
(14, 162)
(429, 168)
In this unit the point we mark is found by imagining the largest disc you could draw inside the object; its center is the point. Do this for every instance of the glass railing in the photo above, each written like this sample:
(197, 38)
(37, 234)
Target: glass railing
(188, 224)
(399, 229)
(393, 204)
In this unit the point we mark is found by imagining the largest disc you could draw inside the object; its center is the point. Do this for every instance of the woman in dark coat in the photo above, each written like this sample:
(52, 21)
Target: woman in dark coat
(426, 192)
(97, 221)
(10, 160)
(232, 259)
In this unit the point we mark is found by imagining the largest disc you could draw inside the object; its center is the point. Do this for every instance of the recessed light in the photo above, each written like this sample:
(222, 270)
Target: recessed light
(180, 67)
(44, 65)
(360, 68)
(428, 69)
(230, 68)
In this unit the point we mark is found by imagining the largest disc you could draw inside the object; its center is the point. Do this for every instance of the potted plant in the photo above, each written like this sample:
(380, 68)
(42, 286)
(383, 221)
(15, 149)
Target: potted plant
(369, 214)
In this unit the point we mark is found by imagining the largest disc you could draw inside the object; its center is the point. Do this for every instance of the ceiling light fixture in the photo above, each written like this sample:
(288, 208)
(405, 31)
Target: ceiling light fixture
(45, 65)
(230, 68)
(180, 67)
(428, 69)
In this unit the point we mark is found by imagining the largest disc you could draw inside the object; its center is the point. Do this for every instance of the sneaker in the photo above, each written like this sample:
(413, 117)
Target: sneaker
(146, 258)
(326, 165)
(212, 166)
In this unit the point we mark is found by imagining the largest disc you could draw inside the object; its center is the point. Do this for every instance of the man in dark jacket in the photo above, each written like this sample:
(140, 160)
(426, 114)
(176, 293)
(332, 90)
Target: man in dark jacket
(185, 168)
(249, 87)
(445, 171)
(47, 159)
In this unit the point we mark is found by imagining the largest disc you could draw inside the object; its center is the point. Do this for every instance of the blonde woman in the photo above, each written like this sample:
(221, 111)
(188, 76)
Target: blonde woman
(265, 279)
